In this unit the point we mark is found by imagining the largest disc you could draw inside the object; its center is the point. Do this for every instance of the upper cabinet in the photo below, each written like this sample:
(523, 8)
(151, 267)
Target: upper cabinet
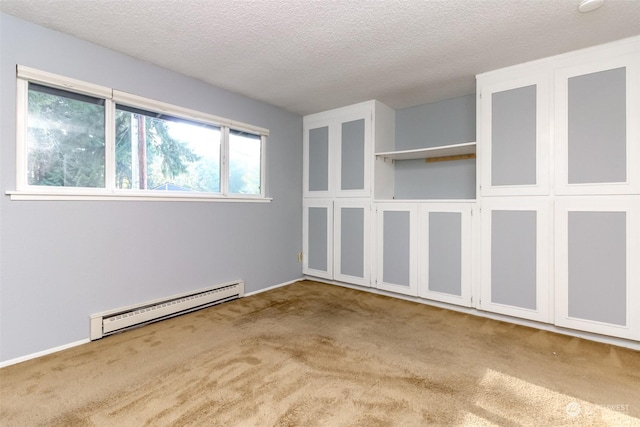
(339, 146)
(597, 116)
(513, 134)
(317, 179)
(566, 125)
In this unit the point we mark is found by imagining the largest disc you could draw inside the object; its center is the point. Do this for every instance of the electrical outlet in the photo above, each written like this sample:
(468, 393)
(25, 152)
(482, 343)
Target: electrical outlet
(299, 256)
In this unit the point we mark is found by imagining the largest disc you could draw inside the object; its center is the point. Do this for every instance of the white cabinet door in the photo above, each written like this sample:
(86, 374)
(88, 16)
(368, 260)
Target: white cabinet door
(397, 247)
(597, 127)
(598, 264)
(513, 134)
(352, 244)
(515, 257)
(354, 152)
(444, 254)
(318, 150)
(338, 152)
(317, 236)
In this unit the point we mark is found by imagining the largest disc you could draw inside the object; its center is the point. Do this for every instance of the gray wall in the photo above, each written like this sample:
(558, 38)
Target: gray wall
(452, 121)
(62, 261)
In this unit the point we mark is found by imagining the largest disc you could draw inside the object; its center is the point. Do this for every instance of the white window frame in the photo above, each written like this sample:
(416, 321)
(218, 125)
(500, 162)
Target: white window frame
(25, 191)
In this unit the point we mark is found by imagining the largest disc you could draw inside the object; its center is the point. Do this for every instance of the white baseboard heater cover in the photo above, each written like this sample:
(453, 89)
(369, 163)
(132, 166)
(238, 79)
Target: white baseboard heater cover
(112, 321)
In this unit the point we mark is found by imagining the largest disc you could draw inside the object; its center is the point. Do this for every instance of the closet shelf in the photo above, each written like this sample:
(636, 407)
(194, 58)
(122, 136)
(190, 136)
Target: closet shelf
(463, 149)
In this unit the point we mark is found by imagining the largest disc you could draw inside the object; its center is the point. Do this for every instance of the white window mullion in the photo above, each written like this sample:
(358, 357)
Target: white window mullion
(22, 96)
(109, 145)
(224, 161)
(263, 165)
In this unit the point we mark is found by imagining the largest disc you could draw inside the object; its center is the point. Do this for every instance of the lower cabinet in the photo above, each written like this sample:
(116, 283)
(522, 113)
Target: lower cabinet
(317, 240)
(425, 249)
(336, 240)
(572, 261)
(597, 269)
(352, 244)
(515, 253)
(445, 252)
(397, 247)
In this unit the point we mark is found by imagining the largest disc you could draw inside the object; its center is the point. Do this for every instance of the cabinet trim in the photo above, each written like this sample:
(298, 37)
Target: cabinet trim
(412, 209)
(543, 132)
(631, 63)
(328, 205)
(542, 207)
(365, 205)
(424, 209)
(628, 204)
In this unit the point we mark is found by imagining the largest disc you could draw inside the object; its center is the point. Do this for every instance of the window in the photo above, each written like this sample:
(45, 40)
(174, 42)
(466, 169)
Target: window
(82, 140)
(244, 162)
(65, 138)
(165, 153)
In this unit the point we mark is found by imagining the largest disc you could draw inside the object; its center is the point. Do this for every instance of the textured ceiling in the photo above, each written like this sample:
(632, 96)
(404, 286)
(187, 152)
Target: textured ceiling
(308, 55)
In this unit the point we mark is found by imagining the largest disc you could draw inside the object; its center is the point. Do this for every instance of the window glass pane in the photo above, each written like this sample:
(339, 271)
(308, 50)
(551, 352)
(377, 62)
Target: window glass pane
(244, 162)
(65, 139)
(159, 152)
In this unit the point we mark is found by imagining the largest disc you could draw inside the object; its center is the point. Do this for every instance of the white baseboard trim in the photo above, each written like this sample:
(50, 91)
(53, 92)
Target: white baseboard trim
(43, 353)
(620, 342)
(259, 291)
(85, 341)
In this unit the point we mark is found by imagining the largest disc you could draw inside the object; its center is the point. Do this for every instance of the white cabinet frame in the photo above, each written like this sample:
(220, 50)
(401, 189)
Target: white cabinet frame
(365, 205)
(349, 114)
(328, 205)
(412, 209)
(333, 119)
(315, 123)
(542, 207)
(562, 75)
(464, 209)
(628, 204)
(487, 86)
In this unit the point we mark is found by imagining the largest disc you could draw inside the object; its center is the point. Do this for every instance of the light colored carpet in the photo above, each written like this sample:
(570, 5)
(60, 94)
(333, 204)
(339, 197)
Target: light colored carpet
(315, 354)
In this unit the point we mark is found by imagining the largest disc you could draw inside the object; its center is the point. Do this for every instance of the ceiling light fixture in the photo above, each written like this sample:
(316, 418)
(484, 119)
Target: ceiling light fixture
(589, 5)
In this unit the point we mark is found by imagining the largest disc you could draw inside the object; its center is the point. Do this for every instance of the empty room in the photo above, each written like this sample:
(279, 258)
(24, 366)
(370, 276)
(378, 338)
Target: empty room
(305, 212)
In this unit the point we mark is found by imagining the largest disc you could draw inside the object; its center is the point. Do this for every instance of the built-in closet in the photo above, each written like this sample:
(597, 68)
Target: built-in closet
(553, 233)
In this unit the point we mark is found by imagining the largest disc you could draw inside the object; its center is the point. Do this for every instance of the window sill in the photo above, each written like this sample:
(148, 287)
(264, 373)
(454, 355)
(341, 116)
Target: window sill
(133, 196)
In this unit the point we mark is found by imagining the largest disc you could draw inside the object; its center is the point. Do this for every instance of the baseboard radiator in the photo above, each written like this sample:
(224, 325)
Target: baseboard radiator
(112, 321)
